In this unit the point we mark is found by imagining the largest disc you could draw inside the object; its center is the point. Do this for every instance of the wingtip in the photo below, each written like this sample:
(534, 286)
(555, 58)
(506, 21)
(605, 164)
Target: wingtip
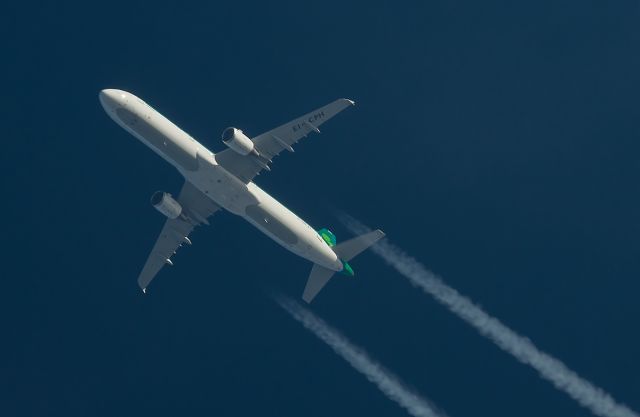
(144, 290)
(353, 103)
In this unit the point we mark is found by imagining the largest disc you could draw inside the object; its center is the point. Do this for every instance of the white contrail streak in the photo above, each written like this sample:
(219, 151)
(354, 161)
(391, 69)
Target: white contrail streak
(386, 382)
(553, 370)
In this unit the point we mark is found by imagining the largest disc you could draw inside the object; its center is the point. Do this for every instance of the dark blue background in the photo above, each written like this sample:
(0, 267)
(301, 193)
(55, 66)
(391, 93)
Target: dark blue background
(497, 141)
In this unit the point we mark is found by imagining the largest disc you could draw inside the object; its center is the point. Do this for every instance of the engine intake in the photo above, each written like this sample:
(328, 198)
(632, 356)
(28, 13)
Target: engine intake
(165, 204)
(238, 141)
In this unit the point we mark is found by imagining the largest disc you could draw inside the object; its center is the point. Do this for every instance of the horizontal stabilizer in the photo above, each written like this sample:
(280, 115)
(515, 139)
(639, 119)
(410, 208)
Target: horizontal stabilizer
(351, 248)
(317, 280)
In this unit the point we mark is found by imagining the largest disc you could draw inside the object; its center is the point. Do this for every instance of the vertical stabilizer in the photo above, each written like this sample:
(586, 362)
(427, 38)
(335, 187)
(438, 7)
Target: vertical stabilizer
(346, 251)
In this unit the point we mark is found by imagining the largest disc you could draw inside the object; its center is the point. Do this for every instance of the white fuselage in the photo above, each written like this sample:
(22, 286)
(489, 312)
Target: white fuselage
(198, 165)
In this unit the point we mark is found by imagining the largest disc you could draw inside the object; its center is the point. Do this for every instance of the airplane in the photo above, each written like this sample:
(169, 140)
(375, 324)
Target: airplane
(225, 180)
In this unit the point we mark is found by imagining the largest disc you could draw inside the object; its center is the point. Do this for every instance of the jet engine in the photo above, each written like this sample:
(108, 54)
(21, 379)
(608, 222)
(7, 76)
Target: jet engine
(238, 141)
(165, 204)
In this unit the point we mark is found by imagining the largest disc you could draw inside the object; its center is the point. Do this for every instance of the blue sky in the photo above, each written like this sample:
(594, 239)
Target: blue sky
(495, 142)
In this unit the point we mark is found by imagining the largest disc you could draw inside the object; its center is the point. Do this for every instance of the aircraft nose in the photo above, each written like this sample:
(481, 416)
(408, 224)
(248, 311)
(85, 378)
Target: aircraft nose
(111, 98)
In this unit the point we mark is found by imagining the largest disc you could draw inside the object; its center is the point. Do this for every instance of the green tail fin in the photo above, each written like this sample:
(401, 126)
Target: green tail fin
(346, 268)
(327, 236)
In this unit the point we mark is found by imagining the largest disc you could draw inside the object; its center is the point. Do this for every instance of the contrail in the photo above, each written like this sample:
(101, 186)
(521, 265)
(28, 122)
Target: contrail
(386, 382)
(553, 370)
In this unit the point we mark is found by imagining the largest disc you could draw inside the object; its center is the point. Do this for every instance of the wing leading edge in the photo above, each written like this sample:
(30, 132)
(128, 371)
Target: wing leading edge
(272, 143)
(196, 208)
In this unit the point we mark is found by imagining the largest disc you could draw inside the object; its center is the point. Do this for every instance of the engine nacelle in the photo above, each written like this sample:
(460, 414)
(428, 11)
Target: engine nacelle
(165, 204)
(238, 141)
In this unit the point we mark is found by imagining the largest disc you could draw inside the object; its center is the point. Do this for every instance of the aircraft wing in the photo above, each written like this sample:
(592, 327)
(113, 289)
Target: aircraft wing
(196, 207)
(271, 143)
